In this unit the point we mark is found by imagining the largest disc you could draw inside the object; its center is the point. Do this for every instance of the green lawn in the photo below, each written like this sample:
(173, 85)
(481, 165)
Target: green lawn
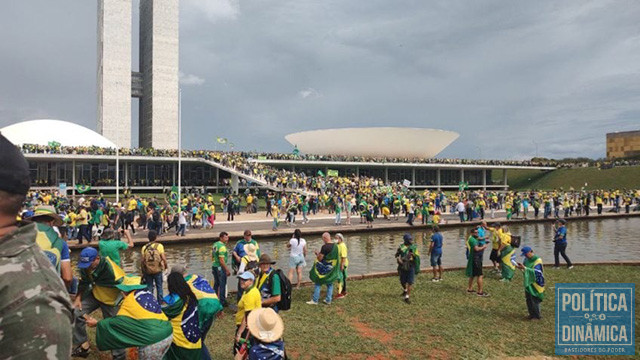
(442, 322)
(616, 178)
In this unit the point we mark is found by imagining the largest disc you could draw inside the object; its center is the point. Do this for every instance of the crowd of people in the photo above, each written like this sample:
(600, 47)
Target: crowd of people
(52, 307)
(238, 159)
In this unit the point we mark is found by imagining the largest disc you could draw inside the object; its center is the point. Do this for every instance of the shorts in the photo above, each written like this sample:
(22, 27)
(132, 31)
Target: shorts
(297, 261)
(436, 259)
(407, 277)
(495, 256)
(476, 270)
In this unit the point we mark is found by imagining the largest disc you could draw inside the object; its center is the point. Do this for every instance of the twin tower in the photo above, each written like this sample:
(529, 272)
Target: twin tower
(155, 85)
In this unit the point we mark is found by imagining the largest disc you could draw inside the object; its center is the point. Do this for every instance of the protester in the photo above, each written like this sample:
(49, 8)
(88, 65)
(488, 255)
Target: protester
(408, 259)
(99, 277)
(533, 282)
(560, 244)
(249, 262)
(153, 263)
(435, 252)
(344, 264)
(496, 238)
(139, 323)
(36, 326)
(182, 311)
(249, 301)
(50, 242)
(239, 249)
(325, 270)
(507, 255)
(297, 255)
(208, 303)
(268, 283)
(266, 328)
(110, 246)
(219, 267)
(474, 263)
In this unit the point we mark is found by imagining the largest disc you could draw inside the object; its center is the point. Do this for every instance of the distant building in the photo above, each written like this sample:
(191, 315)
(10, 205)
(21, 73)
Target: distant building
(623, 144)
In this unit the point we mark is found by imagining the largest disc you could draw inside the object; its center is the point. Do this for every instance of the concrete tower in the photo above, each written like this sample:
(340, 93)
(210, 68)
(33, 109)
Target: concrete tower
(155, 85)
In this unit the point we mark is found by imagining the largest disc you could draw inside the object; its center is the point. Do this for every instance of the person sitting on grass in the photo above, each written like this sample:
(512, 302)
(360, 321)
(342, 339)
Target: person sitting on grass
(408, 259)
(474, 263)
(533, 282)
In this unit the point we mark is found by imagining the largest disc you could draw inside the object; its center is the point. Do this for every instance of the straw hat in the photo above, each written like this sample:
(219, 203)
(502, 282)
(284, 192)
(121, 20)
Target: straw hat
(265, 325)
(251, 251)
(47, 211)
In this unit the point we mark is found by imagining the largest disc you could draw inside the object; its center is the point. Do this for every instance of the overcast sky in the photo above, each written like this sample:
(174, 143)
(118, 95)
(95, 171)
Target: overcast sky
(504, 74)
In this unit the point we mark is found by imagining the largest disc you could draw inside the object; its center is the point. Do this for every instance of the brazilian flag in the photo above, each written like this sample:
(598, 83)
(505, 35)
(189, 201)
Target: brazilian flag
(173, 195)
(83, 188)
(320, 173)
(534, 277)
(327, 271)
(208, 302)
(187, 343)
(139, 322)
(507, 260)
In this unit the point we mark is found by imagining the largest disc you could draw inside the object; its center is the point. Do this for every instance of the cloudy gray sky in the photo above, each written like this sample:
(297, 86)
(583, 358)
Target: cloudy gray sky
(504, 74)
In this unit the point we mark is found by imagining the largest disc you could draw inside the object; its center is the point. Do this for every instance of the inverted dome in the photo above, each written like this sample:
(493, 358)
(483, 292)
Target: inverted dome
(43, 131)
(374, 141)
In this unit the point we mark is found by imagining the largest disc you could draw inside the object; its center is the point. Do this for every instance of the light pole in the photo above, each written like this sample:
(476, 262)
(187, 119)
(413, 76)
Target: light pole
(117, 162)
(179, 146)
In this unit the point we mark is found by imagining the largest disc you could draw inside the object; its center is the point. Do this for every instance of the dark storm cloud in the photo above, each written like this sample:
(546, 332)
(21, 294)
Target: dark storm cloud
(505, 75)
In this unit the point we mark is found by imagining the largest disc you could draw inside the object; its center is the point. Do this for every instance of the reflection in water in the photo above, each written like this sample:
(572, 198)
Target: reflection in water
(589, 241)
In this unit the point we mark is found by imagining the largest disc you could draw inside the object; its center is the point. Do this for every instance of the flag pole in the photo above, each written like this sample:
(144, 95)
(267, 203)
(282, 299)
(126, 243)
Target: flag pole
(117, 162)
(179, 146)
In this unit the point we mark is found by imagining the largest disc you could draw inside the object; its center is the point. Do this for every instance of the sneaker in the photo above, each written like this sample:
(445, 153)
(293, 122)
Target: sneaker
(404, 293)
(483, 294)
(311, 302)
(435, 280)
(326, 302)
(504, 280)
(556, 267)
(471, 291)
(570, 267)
(340, 296)
(406, 299)
(80, 352)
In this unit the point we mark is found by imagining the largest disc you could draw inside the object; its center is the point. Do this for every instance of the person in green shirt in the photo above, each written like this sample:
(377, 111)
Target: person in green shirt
(533, 282)
(474, 262)
(110, 244)
(94, 222)
(268, 283)
(219, 268)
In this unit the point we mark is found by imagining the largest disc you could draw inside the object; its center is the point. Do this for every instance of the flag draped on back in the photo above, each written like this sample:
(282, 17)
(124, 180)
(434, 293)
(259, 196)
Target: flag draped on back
(534, 277)
(186, 344)
(208, 302)
(139, 322)
(327, 270)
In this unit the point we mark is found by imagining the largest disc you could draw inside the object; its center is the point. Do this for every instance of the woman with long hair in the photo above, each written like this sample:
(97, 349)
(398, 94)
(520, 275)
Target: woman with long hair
(182, 311)
(298, 247)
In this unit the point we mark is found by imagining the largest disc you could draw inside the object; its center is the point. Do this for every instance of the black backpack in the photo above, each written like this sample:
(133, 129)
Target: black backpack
(515, 241)
(285, 289)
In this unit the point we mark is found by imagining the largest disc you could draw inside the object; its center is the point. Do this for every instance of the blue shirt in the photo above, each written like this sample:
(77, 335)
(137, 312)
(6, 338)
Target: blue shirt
(561, 235)
(436, 239)
(481, 234)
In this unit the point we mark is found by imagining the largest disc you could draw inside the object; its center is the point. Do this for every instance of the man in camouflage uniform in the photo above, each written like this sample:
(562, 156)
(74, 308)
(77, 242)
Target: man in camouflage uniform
(35, 309)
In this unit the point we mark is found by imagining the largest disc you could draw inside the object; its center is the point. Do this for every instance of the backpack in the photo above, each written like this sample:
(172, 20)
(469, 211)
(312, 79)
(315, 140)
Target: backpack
(407, 260)
(155, 216)
(151, 260)
(285, 289)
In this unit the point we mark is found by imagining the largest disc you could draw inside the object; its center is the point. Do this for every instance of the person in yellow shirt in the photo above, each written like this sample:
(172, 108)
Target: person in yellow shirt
(344, 264)
(84, 231)
(249, 301)
(496, 236)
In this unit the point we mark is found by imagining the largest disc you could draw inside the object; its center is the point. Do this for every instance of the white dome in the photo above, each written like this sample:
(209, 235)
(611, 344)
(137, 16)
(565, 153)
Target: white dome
(375, 141)
(43, 131)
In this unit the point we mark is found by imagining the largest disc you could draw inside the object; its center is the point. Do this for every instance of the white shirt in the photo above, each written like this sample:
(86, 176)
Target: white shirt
(182, 219)
(296, 249)
(460, 207)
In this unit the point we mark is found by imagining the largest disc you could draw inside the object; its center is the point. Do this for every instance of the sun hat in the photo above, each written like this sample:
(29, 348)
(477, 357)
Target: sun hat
(49, 211)
(247, 275)
(340, 237)
(265, 325)
(87, 255)
(130, 283)
(526, 250)
(266, 259)
(251, 251)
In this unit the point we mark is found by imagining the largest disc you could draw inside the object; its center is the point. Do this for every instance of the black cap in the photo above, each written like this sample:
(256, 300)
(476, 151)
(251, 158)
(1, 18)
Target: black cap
(14, 169)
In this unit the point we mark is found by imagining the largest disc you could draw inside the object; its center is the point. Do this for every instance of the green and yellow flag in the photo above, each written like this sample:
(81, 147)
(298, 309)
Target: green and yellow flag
(221, 140)
(507, 262)
(173, 195)
(534, 277)
(83, 188)
(187, 343)
(333, 173)
(139, 322)
(208, 302)
(328, 270)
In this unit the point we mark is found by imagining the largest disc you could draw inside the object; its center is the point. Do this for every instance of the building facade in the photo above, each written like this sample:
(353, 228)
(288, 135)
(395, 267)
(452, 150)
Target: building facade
(156, 82)
(623, 144)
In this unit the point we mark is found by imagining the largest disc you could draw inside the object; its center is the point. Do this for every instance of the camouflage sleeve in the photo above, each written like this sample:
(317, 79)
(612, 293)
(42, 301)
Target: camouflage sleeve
(35, 312)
